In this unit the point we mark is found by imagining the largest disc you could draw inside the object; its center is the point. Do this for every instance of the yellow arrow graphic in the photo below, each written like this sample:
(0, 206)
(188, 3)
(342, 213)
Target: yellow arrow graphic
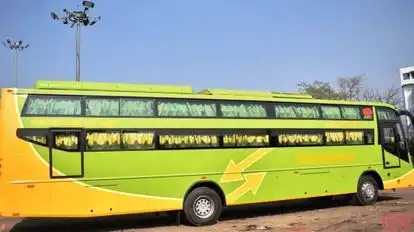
(252, 183)
(233, 170)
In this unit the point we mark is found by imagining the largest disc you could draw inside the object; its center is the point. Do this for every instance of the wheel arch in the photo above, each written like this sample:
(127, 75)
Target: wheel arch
(374, 175)
(209, 184)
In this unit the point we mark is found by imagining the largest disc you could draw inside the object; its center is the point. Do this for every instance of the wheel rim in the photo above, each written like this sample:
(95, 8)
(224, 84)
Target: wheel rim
(368, 191)
(203, 206)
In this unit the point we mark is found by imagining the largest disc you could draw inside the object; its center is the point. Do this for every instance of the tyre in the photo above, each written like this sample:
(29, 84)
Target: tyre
(367, 192)
(202, 206)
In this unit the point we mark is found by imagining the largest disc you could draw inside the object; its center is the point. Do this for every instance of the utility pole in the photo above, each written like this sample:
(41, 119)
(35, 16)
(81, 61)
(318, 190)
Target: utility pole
(78, 18)
(16, 47)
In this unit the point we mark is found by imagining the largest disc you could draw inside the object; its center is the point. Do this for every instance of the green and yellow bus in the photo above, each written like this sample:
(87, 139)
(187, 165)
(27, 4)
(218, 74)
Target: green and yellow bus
(88, 149)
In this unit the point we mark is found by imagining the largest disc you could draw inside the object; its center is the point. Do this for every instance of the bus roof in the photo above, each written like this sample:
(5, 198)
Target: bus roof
(175, 91)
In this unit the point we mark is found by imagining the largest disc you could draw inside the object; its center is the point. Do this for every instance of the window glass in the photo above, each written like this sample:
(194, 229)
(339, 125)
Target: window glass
(296, 111)
(37, 138)
(385, 114)
(367, 112)
(138, 140)
(300, 139)
(334, 137)
(102, 107)
(369, 137)
(331, 112)
(354, 137)
(245, 140)
(108, 140)
(53, 105)
(137, 107)
(67, 140)
(389, 140)
(186, 109)
(351, 112)
(243, 110)
(406, 76)
(188, 141)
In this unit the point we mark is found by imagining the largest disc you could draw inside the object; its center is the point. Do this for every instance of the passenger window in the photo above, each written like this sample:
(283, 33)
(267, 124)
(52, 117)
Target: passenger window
(284, 110)
(331, 112)
(186, 108)
(351, 112)
(354, 137)
(46, 105)
(245, 140)
(138, 140)
(137, 107)
(102, 107)
(243, 110)
(299, 139)
(67, 141)
(188, 141)
(103, 140)
(334, 137)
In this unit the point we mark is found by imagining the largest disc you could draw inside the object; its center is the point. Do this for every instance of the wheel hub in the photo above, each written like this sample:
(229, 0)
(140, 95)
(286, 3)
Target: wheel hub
(203, 207)
(368, 191)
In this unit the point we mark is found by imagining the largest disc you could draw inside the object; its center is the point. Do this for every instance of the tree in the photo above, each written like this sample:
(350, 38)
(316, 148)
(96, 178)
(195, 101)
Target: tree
(352, 89)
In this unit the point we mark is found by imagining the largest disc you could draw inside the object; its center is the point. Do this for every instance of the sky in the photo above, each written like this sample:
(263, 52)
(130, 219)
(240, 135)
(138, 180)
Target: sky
(269, 45)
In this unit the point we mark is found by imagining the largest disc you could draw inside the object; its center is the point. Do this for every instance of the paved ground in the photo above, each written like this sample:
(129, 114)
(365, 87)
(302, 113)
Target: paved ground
(394, 209)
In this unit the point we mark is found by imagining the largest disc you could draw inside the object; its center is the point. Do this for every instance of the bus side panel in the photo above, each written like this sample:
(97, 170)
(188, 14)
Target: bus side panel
(3, 189)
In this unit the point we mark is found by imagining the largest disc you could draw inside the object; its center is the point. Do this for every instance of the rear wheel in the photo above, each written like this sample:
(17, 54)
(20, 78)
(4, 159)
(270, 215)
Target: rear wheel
(367, 193)
(202, 206)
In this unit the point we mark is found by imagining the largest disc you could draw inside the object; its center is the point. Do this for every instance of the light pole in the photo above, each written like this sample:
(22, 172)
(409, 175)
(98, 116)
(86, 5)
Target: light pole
(16, 47)
(78, 18)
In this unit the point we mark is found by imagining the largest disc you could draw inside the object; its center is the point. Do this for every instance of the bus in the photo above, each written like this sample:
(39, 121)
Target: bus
(92, 149)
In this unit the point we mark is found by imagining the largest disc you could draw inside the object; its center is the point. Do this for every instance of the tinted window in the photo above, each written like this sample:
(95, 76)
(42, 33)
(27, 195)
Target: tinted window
(331, 112)
(103, 140)
(300, 139)
(354, 137)
(334, 137)
(389, 140)
(385, 114)
(245, 140)
(296, 111)
(188, 141)
(102, 107)
(136, 107)
(243, 110)
(183, 108)
(138, 140)
(351, 112)
(67, 141)
(53, 105)
(37, 139)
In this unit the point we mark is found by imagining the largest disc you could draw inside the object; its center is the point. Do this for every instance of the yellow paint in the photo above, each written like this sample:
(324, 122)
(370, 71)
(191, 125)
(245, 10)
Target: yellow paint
(404, 181)
(252, 183)
(233, 170)
(324, 158)
(62, 199)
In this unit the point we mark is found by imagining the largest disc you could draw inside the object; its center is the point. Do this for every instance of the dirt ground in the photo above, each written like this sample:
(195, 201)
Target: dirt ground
(393, 212)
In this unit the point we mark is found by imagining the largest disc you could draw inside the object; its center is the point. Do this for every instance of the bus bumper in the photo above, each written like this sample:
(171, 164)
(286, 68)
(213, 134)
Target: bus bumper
(404, 181)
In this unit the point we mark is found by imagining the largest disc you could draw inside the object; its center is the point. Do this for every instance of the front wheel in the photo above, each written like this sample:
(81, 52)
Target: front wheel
(202, 207)
(367, 193)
